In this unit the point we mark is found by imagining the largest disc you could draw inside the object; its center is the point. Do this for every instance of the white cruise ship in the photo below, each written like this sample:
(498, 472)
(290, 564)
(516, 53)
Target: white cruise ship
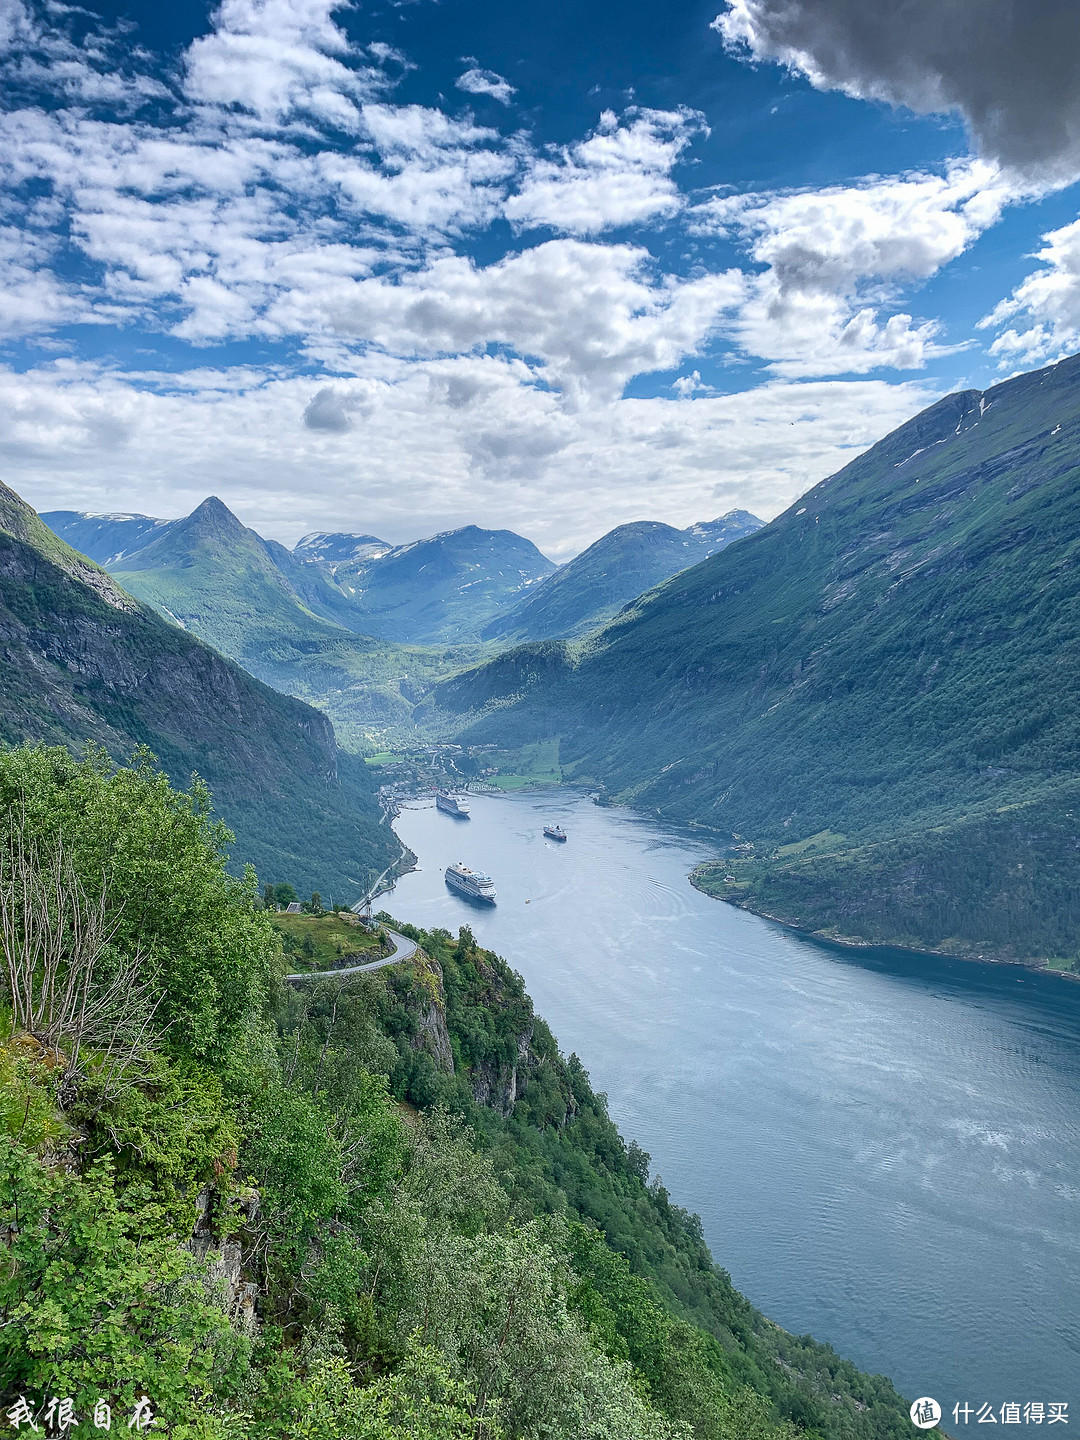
(470, 883)
(451, 805)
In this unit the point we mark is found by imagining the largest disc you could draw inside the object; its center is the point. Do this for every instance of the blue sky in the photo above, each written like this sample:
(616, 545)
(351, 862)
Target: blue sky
(399, 267)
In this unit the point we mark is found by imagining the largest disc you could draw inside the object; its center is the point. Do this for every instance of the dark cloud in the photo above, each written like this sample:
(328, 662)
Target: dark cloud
(1011, 68)
(330, 409)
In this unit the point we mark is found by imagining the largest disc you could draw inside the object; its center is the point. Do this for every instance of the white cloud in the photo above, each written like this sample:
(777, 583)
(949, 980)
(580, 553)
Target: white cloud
(901, 227)
(32, 300)
(434, 175)
(834, 259)
(218, 229)
(485, 82)
(619, 175)
(284, 196)
(241, 218)
(335, 408)
(1043, 313)
(280, 59)
(429, 445)
(687, 386)
(38, 54)
(593, 315)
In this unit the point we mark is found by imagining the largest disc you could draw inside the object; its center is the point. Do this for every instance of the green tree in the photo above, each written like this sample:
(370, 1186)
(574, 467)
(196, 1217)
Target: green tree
(95, 1300)
(285, 894)
(159, 858)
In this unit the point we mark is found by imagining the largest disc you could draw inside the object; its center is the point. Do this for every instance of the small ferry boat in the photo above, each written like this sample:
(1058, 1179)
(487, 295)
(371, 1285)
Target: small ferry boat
(470, 883)
(554, 832)
(451, 805)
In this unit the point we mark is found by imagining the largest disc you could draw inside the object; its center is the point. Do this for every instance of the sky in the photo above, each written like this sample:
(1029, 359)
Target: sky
(392, 268)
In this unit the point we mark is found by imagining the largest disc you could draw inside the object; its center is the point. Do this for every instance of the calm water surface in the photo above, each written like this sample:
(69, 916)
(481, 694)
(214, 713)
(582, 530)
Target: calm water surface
(884, 1148)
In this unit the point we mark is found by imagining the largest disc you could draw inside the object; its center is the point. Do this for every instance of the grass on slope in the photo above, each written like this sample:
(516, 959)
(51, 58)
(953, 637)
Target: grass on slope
(354, 678)
(532, 765)
(323, 942)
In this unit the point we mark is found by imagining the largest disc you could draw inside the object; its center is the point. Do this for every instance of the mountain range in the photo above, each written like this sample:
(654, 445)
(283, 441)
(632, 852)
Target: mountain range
(283, 619)
(875, 699)
(361, 627)
(105, 539)
(617, 568)
(336, 549)
(439, 590)
(443, 589)
(84, 661)
(872, 700)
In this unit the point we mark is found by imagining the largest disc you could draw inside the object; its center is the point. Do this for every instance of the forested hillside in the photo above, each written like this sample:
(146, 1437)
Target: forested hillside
(879, 692)
(383, 1210)
(84, 661)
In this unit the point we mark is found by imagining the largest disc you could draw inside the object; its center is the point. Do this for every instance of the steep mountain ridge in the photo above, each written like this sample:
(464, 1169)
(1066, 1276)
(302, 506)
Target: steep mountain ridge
(219, 573)
(616, 569)
(86, 661)
(316, 627)
(879, 692)
(440, 589)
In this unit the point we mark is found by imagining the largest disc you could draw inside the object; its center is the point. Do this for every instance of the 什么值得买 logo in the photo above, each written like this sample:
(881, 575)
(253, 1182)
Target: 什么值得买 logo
(925, 1413)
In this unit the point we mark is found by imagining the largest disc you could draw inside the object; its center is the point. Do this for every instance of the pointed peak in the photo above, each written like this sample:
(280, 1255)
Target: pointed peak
(213, 506)
(214, 517)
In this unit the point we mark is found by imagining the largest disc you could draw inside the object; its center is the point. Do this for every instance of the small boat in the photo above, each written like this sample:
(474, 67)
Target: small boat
(451, 805)
(554, 832)
(470, 883)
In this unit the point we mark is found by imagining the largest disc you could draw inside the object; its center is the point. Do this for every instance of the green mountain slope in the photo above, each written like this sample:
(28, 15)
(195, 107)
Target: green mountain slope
(280, 618)
(879, 692)
(440, 590)
(619, 567)
(443, 589)
(84, 661)
(220, 574)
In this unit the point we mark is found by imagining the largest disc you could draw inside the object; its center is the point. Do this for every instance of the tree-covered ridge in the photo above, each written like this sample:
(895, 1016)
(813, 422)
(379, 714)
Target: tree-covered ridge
(281, 1214)
(888, 670)
(84, 661)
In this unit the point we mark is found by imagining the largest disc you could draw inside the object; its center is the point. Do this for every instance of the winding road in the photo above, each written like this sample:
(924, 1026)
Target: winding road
(403, 950)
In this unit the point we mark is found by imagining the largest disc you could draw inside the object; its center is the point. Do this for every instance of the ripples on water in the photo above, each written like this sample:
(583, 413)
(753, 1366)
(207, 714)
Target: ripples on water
(884, 1148)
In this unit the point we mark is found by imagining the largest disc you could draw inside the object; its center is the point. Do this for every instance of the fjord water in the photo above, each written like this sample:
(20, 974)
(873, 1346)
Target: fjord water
(884, 1148)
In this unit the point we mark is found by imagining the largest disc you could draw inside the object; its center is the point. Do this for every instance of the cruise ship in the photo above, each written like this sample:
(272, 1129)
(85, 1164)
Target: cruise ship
(554, 832)
(470, 883)
(451, 805)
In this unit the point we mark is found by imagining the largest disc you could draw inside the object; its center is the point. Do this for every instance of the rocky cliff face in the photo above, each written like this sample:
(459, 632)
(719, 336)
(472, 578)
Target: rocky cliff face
(471, 1015)
(498, 1085)
(429, 1010)
(224, 1256)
